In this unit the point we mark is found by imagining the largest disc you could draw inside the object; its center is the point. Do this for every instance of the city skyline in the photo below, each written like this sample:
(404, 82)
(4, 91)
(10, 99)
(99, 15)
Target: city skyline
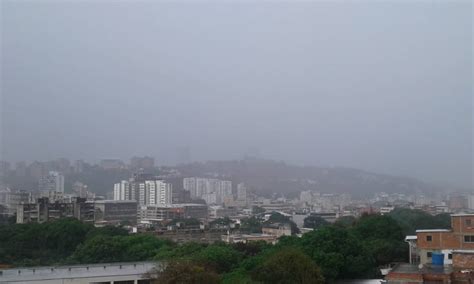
(312, 83)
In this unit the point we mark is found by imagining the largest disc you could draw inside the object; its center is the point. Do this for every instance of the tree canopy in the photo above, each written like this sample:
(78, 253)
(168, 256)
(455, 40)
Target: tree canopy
(352, 249)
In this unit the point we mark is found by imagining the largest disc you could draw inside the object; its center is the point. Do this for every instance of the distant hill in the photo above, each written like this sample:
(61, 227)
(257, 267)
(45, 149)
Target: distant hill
(265, 177)
(268, 177)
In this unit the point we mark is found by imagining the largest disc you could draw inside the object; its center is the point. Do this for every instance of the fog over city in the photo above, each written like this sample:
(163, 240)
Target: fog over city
(378, 85)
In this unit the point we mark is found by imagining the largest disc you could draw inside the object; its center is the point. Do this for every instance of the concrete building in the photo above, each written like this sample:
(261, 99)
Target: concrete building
(53, 181)
(247, 238)
(81, 190)
(277, 229)
(470, 201)
(158, 192)
(10, 199)
(213, 191)
(146, 192)
(241, 192)
(457, 201)
(157, 213)
(43, 211)
(103, 273)
(112, 212)
(218, 211)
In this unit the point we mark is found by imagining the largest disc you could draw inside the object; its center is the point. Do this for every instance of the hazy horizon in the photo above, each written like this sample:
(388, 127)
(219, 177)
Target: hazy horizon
(384, 87)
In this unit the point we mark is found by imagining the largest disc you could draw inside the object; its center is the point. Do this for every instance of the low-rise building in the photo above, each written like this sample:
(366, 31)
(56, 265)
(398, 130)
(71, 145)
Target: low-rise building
(220, 212)
(43, 211)
(158, 213)
(246, 238)
(277, 229)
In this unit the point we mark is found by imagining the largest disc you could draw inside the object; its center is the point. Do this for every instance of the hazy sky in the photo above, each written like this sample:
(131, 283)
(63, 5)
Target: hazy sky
(379, 85)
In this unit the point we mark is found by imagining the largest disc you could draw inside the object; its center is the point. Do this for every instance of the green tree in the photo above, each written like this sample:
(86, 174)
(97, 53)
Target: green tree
(174, 251)
(184, 272)
(219, 256)
(288, 266)
(412, 220)
(257, 210)
(251, 225)
(314, 222)
(100, 249)
(345, 221)
(383, 237)
(339, 253)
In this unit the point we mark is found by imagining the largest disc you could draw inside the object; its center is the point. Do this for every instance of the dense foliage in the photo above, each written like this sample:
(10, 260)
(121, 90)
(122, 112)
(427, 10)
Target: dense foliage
(314, 222)
(412, 220)
(352, 248)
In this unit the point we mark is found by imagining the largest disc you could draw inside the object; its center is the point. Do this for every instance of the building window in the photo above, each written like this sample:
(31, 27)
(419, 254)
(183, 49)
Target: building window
(428, 254)
(450, 256)
(469, 239)
(468, 222)
(429, 238)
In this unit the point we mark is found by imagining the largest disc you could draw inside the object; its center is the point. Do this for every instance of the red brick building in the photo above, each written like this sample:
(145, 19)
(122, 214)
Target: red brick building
(457, 246)
(459, 237)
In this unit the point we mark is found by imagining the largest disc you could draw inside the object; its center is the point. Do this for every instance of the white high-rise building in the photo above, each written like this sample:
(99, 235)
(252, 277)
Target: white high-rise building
(122, 191)
(241, 192)
(53, 181)
(148, 192)
(158, 192)
(213, 191)
(470, 201)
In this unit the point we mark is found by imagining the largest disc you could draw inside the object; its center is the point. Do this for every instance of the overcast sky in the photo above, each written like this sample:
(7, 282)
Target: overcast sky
(379, 85)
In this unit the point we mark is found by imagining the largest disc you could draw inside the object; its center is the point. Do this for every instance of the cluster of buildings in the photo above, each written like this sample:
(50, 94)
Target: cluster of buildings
(98, 212)
(345, 205)
(38, 170)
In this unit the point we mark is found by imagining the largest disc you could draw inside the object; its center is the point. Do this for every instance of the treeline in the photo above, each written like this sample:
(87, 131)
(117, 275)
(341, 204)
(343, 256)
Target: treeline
(350, 248)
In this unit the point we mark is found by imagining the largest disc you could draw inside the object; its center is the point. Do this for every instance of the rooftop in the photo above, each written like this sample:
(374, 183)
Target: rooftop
(405, 268)
(176, 205)
(115, 201)
(22, 274)
(463, 215)
(433, 230)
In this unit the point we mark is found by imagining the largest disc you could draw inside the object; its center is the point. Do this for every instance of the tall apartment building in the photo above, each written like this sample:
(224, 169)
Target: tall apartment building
(53, 181)
(145, 192)
(213, 191)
